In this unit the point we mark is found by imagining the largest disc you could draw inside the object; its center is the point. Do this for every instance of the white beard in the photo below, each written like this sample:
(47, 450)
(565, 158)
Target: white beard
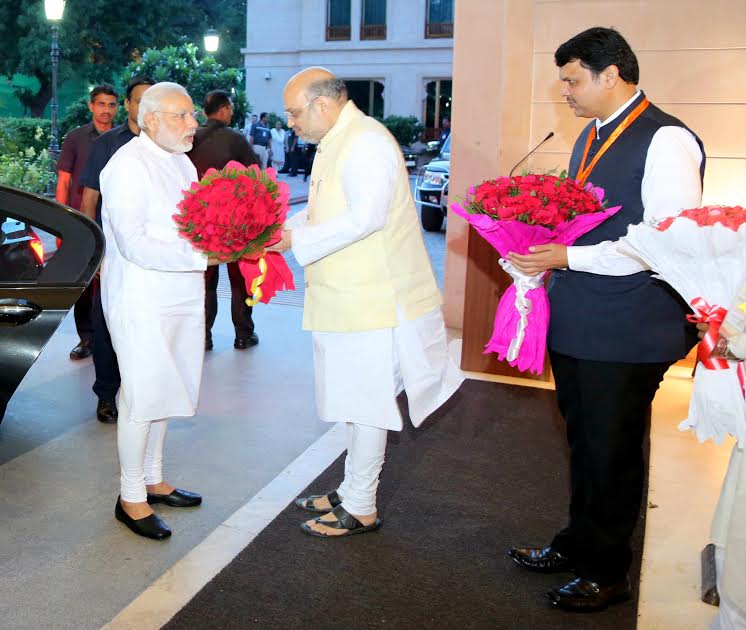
(172, 143)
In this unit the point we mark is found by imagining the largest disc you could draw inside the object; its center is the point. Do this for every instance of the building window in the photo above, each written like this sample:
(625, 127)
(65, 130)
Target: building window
(439, 21)
(373, 25)
(437, 106)
(337, 20)
(367, 95)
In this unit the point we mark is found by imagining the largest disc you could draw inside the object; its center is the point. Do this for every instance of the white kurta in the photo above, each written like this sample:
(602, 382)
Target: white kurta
(359, 374)
(278, 145)
(729, 531)
(152, 282)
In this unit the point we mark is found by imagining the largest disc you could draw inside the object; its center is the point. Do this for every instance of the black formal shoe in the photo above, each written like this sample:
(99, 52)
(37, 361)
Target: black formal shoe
(208, 344)
(581, 595)
(82, 351)
(151, 526)
(545, 560)
(106, 411)
(306, 503)
(241, 343)
(178, 498)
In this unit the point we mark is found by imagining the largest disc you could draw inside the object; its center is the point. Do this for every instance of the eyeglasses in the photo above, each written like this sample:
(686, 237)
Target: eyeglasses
(294, 112)
(182, 116)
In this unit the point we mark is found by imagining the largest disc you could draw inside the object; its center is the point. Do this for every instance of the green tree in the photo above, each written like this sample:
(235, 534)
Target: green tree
(406, 129)
(98, 38)
(198, 74)
(24, 161)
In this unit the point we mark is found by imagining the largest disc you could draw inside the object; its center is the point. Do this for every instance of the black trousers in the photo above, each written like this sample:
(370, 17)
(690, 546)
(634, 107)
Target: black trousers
(83, 313)
(298, 161)
(606, 407)
(240, 313)
(105, 361)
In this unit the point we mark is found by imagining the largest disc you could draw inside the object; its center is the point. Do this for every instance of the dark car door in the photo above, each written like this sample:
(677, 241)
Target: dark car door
(32, 308)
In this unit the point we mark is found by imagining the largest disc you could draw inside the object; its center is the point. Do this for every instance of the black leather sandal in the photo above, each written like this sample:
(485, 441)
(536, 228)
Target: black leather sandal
(345, 520)
(306, 503)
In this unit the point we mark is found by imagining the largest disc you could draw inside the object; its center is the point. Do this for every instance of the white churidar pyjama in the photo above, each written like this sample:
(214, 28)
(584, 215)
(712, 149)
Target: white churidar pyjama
(728, 617)
(366, 449)
(140, 446)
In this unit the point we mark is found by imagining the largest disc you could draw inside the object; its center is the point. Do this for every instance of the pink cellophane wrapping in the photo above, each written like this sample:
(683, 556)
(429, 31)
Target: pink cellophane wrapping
(516, 236)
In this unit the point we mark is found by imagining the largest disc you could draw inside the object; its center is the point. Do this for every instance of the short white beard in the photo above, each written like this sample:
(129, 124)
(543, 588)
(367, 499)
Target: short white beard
(166, 140)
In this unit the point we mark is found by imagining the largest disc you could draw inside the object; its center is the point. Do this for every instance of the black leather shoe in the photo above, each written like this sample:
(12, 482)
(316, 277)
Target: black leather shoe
(151, 526)
(106, 411)
(241, 343)
(82, 351)
(178, 498)
(581, 595)
(545, 560)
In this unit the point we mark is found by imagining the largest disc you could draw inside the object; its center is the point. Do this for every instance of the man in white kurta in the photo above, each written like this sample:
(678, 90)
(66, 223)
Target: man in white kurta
(729, 525)
(152, 286)
(371, 300)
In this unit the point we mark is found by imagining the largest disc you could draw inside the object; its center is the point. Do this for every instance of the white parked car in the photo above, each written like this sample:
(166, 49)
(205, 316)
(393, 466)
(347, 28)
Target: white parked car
(431, 189)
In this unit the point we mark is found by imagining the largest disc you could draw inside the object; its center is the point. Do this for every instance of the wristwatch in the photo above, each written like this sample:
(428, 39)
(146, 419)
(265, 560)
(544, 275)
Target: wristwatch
(721, 347)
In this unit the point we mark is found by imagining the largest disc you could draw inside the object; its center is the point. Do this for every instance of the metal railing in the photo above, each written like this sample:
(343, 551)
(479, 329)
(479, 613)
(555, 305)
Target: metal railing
(337, 33)
(438, 29)
(372, 31)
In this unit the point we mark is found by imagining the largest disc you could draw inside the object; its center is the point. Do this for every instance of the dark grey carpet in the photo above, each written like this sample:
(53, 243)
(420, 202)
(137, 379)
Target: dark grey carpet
(489, 471)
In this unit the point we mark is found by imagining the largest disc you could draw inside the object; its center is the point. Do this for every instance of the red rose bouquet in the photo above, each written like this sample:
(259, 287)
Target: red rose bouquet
(234, 213)
(512, 214)
(701, 254)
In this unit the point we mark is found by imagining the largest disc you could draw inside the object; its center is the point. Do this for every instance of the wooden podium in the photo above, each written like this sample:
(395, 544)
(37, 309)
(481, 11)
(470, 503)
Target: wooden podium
(485, 284)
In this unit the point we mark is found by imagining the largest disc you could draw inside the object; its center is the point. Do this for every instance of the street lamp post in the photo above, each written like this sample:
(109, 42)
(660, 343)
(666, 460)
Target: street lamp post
(212, 40)
(54, 10)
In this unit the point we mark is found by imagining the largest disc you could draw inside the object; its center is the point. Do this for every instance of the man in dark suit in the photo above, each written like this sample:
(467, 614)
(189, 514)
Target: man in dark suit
(614, 328)
(216, 144)
(105, 363)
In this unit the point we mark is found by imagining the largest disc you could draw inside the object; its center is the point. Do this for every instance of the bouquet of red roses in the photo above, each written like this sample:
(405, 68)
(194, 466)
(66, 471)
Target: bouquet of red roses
(701, 254)
(235, 212)
(512, 214)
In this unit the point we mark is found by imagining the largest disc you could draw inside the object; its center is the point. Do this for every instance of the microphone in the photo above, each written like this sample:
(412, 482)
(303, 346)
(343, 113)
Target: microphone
(524, 158)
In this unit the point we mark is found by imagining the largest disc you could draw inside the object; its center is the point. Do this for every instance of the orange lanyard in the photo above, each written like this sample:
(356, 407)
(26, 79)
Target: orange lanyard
(631, 117)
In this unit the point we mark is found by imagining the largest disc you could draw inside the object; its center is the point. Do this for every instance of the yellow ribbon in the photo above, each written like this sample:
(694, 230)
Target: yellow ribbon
(256, 290)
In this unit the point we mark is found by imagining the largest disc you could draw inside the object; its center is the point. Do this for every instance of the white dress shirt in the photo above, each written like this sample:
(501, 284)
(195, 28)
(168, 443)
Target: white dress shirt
(670, 184)
(359, 374)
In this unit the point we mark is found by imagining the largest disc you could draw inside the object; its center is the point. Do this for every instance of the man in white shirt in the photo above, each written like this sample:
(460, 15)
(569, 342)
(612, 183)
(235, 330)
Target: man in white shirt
(728, 531)
(371, 300)
(614, 329)
(152, 291)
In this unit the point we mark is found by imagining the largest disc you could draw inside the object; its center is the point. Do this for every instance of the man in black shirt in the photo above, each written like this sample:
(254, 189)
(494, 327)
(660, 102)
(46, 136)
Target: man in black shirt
(105, 363)
(216, 144)
(445, 132)
(75, 149)
(260, 137)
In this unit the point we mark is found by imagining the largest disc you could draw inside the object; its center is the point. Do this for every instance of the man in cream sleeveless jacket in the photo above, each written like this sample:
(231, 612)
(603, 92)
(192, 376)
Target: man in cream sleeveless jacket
(371, 300)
